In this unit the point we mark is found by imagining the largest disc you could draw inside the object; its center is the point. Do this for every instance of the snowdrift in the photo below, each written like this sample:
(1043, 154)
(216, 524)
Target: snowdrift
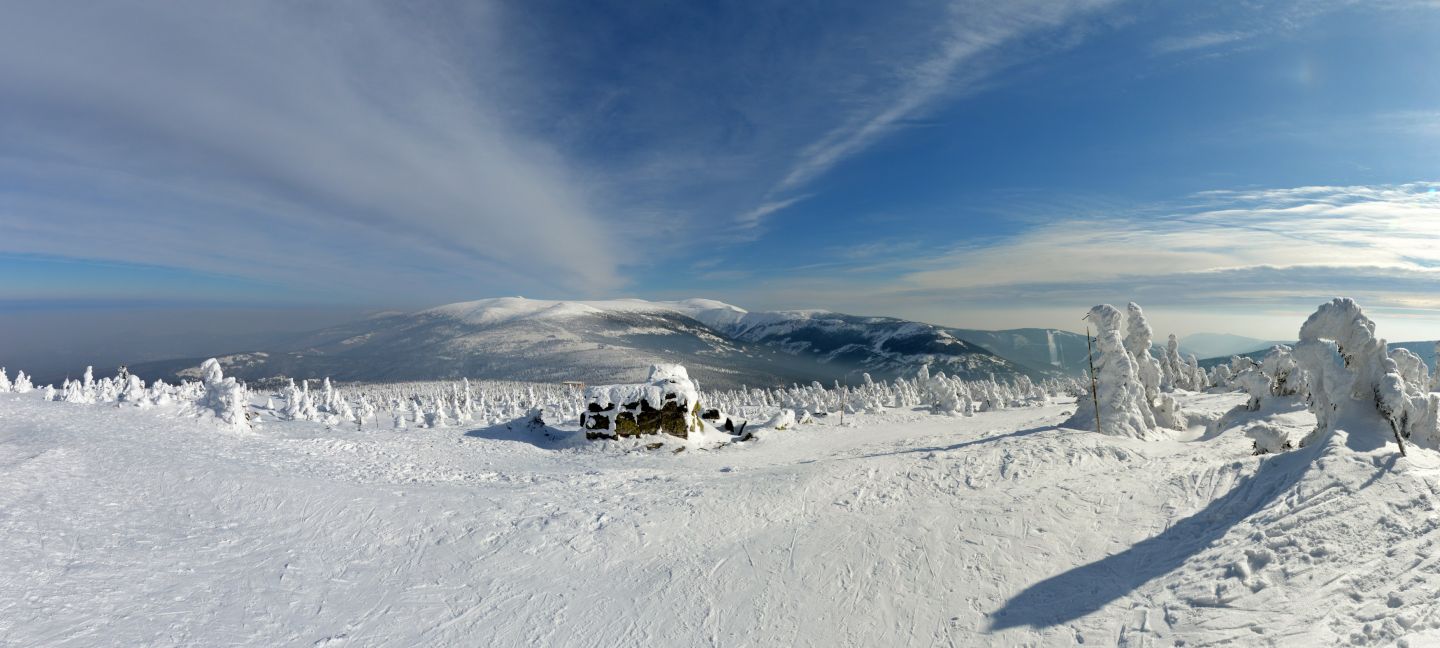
(899, 528)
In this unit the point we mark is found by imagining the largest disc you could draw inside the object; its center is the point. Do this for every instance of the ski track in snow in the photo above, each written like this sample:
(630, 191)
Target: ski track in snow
(126, 527)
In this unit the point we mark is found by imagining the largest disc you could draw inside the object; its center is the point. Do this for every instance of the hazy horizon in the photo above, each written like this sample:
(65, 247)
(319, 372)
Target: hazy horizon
(51, 342)
(190, 177)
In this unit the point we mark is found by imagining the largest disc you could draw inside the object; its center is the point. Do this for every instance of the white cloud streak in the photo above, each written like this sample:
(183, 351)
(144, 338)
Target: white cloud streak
(753, 217)
(1263, 254)
(1392, 227)
(962, 56)
(1202, 40)
(201, 136)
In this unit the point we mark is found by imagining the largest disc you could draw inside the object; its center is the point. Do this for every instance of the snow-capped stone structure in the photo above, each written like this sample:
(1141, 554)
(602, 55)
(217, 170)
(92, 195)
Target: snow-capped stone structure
(667, 402)
(1121, 396)
(1353, 382)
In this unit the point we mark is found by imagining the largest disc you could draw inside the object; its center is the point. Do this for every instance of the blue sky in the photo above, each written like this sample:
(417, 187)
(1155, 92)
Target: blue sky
(973, 163)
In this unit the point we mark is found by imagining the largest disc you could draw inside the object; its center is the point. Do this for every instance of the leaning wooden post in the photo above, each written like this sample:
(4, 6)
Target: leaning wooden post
(1396, 429)
(1094, 384)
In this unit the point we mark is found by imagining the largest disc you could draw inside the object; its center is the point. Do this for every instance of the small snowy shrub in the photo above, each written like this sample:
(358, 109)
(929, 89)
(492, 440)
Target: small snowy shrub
(782, 421)
(1268, 438)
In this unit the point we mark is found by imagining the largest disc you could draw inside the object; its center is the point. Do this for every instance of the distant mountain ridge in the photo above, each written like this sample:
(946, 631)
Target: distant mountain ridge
(1039, 350)
(1423, 348)
(607, 341)
(616, 340)
(1215, 345)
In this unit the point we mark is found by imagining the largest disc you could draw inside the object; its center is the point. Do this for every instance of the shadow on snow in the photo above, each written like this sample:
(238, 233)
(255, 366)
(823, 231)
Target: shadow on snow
(520, 430)
(1085, 589)
(962, 444)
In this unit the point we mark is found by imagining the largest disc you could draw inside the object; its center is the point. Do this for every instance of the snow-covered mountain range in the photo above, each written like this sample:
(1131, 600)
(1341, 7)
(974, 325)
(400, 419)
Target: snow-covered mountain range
(616, 340)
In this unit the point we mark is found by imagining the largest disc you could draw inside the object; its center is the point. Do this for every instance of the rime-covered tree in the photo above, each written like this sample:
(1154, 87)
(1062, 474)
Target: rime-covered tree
(22, 383)
(1139, 337)
(1411, 367)
(134, 392)
(1435, 377)
(1353, 383)
(1194, 375)
(1279, 365)
(1173, 366)
(225, 398)
(1121, 396)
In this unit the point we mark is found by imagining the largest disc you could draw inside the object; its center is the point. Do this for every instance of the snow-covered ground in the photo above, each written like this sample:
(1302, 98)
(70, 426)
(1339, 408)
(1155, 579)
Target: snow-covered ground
(124, 526)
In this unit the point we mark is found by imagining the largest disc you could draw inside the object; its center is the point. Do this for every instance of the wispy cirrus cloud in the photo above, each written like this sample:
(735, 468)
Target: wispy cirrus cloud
(963, 50)
(356, 149)
(1199, 41)
(1300, 231)
(1247, 250)
(753, 217)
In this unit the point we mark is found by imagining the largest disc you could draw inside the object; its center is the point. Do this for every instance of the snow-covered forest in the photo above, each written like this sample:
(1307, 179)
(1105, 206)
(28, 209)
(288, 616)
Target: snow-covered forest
(463, 403)
(1290, 500)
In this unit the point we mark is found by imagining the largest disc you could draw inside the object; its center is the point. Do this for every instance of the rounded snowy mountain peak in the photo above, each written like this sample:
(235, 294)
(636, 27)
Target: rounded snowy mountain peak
(501, 310)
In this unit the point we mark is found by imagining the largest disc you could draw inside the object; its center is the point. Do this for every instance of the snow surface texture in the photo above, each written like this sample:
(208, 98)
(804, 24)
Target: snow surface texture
(130, 526)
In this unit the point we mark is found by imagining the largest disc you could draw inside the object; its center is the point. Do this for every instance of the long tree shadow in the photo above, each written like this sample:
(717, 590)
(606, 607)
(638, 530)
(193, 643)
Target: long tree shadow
(1085, 589)
(962, 444)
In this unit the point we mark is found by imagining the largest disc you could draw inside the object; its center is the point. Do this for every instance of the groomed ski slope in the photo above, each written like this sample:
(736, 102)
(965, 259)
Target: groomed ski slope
(128, 527)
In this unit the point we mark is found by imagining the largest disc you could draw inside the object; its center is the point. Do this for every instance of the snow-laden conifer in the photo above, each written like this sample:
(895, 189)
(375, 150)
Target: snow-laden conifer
(1121, 396)
(22, 383)
(224, 398)
(1353, 383)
